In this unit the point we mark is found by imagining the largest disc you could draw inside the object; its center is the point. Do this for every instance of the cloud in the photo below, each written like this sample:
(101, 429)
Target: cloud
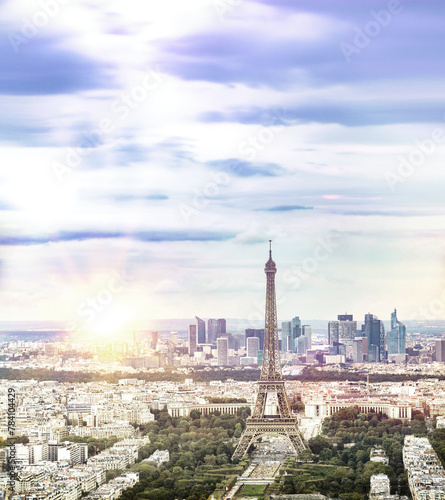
(285, 208)
(356, 11)
(385, 213)
(168, 286)
(42, 66)
(139, 197)
(146, 236)
(243, 168)
(305, 46)
(177, 148)
(130, 153)
(5, 206)
(235, 58)
(349, 113)
(10, 132)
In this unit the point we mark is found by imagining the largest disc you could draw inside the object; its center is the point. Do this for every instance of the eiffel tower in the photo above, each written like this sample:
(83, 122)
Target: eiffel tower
(271, 382)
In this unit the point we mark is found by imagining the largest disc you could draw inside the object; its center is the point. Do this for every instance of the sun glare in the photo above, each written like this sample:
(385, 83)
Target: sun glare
(111, 325)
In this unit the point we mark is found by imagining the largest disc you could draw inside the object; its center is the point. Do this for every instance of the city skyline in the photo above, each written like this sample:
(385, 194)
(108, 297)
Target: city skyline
(150, 152)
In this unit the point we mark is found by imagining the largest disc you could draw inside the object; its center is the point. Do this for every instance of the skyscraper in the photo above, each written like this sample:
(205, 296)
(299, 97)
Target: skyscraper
(286, 336)
(296, 332)
(212, 331)
(154, 339)
(221, 326)
(233, 341)
(357, 350)
(302, 344)
(333, 332)
(222, 348)
(374, 330)
(343, 330)
(256, 332)
(253, 346)
(307, 332)
(200, 330)
(192, 339)
(396, 336)
(304, 341)
(440, 350)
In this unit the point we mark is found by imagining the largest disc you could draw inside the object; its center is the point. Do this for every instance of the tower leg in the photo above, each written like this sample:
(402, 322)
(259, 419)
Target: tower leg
(297, 441)
(250, 435)
(260, 403)
(283, 403)
(247, 438)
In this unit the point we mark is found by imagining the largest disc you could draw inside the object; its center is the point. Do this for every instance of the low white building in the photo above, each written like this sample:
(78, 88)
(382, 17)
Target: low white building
(426, 476)
(159, 456)
(440, 422)
(380, 487)
(379, 456)
(326, 407)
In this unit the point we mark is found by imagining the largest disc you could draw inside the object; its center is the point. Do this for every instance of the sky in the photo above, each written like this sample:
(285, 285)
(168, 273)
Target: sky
(149, 151)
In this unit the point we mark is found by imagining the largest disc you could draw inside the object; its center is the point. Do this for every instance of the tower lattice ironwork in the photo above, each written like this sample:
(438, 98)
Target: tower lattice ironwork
(271, 383)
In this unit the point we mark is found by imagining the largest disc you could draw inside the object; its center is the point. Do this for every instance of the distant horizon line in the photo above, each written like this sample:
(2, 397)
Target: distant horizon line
(59, 321)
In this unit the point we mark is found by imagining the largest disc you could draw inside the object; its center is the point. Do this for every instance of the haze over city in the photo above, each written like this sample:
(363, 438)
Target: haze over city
(149, 152)
(222, 250)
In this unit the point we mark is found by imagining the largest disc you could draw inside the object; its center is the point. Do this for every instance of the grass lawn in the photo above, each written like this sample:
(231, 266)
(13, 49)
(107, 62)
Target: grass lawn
(253, 490)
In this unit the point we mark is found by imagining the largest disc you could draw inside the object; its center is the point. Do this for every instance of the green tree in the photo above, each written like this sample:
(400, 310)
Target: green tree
(318, 443)
(238, 430)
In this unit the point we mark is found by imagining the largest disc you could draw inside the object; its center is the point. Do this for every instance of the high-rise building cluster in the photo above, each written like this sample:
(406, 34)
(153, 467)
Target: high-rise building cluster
(233, 349)
(215, 341)
(295, 337)
(348, 341)
(197, 334)
(370, 343)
